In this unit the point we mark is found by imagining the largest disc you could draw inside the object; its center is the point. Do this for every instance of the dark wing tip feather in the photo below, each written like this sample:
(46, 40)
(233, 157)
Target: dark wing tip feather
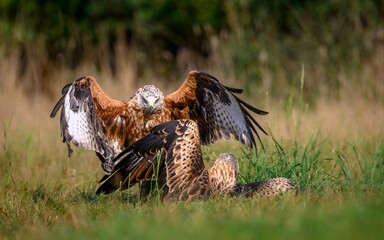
(208, 83)
(248, 116)
(110, 183)
(166, 127)
(57, 107)
(250, 107)
(206, 75)
(64, 92)
(234, 90)
(60, 103)
(136, 160)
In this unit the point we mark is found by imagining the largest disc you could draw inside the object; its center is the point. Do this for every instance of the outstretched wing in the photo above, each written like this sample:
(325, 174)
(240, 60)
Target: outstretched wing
(89, 118)
(217, 110)
(179, 146)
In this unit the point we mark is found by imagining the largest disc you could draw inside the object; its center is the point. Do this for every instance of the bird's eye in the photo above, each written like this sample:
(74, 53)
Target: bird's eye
(157, 100)
(144, 100)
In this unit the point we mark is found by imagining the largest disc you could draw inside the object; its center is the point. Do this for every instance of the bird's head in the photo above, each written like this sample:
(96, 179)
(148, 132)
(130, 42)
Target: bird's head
(223, 174)
(149, 98)
(230, 162)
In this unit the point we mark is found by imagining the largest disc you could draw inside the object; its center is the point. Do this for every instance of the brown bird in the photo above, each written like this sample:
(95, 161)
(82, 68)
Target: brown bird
(91, 119)
(171, 154)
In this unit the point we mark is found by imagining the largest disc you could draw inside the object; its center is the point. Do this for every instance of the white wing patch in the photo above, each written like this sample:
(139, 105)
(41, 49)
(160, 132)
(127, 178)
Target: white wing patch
(81, 124)
(82, 127)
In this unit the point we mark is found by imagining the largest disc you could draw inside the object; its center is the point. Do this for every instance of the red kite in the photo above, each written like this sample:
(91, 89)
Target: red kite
(91, 119)
(171, 154)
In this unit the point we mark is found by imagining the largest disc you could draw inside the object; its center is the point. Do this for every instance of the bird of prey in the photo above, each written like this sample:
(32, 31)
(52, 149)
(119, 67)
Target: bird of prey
(171, 154)
(91, 119)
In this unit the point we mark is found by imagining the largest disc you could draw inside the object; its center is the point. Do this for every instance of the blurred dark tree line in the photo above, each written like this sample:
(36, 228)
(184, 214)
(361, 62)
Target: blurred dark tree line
(71, 31)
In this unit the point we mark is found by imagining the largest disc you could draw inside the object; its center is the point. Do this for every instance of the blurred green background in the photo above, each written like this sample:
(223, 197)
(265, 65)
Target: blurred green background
(260, 45)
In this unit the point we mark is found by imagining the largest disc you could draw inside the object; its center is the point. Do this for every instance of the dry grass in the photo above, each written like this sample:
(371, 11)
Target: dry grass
(48, 194)
(352, 112)
(28, 132)
(351, 119)
(327, 135)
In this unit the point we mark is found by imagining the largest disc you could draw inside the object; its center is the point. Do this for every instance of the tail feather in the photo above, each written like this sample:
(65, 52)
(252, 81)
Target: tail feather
(269, 187)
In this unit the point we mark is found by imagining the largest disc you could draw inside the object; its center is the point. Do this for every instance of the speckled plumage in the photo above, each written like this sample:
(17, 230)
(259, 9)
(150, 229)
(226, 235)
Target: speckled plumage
(112, 125)
(181, 170)
(267, 188)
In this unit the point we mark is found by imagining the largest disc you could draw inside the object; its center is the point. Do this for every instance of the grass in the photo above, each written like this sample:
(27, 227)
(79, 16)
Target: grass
(305, 216)
(47, 195)
(335, 151)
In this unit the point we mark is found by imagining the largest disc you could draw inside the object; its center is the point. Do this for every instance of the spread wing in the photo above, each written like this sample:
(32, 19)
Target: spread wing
(180, 154)
(89, 118)
(217, 110)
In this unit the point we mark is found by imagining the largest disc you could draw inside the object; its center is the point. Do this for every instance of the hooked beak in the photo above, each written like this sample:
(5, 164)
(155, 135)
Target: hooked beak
(149, 108)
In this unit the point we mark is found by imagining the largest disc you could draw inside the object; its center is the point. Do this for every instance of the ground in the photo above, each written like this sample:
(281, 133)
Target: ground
(335, 150)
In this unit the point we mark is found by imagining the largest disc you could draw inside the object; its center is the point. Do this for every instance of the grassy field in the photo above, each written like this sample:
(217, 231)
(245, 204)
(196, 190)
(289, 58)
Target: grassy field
(323, 91)
(335, 151)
